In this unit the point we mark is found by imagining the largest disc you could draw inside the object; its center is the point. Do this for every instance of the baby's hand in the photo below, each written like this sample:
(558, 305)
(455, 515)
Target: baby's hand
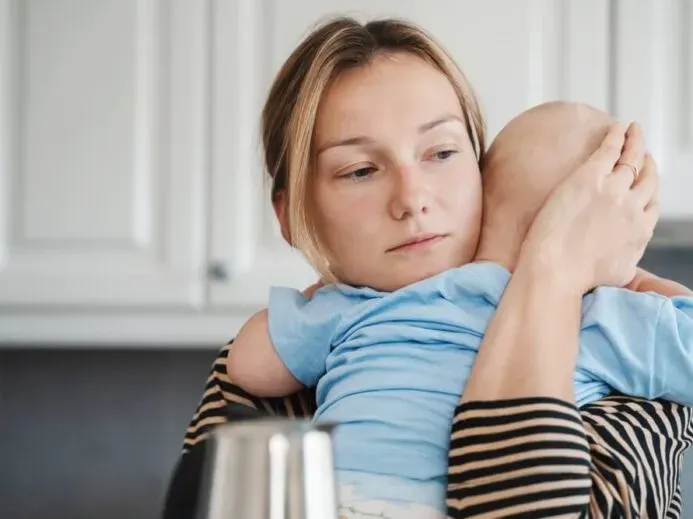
(647, 282)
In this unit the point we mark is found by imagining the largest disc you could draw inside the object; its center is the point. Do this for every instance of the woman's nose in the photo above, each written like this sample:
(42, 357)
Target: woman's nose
(409, 193)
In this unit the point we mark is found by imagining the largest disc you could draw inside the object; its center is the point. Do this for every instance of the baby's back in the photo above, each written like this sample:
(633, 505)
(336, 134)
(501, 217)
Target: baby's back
(393, 380)
(396, 396)
(390, 369)
(397, 366)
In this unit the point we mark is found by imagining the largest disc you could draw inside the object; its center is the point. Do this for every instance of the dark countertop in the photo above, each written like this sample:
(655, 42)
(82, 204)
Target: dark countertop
(673, 234)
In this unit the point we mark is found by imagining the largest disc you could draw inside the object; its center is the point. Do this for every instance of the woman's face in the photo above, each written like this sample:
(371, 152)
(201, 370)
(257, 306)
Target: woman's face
(397, 188)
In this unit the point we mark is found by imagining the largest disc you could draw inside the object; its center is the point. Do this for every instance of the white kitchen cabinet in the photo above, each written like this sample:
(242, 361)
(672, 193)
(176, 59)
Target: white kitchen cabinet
(247, 254)
(103, 164)
(133, 204)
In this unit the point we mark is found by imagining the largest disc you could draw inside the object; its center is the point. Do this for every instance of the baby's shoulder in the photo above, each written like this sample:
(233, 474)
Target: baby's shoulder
(605, 305)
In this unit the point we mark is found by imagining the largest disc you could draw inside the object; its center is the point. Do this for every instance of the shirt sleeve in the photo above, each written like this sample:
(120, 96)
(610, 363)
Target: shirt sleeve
(541, 457)
(639, 344)
(302, 329)
(672, 360)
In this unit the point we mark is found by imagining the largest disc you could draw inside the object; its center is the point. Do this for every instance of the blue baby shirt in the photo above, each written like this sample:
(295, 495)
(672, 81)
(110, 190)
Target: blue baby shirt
(390, 366)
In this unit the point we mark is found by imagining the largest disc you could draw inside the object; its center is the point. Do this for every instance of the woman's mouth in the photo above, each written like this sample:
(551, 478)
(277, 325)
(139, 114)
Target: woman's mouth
(416, 243)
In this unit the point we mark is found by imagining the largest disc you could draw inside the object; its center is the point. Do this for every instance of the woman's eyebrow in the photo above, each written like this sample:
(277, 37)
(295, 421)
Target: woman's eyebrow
(362, 139)
(441, 120)
(351, 141)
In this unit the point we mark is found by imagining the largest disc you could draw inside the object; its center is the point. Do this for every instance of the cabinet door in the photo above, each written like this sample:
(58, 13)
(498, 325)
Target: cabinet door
(652, 49)
(516, 54)
(247, 253)
(102, 170)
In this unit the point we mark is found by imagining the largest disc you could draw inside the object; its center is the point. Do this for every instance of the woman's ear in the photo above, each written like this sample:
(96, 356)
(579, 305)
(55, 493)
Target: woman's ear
(279, 204)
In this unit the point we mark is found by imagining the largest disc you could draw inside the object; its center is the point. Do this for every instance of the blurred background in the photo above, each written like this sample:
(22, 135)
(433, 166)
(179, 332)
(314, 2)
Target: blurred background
(135, 233)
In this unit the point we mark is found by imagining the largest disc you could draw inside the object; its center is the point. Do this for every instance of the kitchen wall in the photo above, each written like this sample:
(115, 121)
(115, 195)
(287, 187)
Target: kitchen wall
(87, 434)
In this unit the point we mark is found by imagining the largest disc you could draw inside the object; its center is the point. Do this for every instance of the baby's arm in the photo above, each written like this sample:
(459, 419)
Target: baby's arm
(640, 344)
(254, 365)
(253, 362)
(647, 282)
(672, 364)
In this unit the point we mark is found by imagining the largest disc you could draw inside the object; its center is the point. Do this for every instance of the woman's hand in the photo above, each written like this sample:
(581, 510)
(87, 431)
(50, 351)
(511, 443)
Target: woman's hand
(591, 231)
(594, 227)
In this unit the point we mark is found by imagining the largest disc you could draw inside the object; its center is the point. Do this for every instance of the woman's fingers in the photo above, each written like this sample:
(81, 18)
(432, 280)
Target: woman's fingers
(634, 149)
(652, 210)
(647, 192)
(634, 172)
(646, 186)
(651, 216)
(630, 163)
(609, 152)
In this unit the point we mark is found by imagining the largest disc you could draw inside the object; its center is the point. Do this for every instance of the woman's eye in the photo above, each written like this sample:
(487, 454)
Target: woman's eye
(360, 174)
(444, 154)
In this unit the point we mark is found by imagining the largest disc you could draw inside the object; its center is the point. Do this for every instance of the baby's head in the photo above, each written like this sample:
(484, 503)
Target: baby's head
(527, 160)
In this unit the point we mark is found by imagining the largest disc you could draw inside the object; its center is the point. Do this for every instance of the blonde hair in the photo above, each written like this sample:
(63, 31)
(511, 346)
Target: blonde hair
(289, 114)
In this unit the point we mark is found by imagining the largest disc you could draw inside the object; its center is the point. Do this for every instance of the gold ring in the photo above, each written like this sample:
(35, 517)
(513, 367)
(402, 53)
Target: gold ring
(632, 168)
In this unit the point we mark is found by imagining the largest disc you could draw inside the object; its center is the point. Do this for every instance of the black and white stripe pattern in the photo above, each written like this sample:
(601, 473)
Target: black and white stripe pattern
(540, 457)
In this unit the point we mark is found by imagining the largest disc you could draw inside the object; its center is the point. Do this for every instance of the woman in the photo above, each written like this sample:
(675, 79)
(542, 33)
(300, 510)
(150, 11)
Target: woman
(362, 104)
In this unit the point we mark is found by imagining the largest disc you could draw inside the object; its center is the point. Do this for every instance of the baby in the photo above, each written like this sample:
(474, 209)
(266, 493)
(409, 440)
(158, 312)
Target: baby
(390, 367)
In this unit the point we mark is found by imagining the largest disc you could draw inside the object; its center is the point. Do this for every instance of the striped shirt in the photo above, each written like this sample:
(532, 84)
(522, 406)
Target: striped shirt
(532, 457)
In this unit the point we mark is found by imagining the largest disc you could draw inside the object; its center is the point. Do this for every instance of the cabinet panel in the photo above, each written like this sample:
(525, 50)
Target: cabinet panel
(247, 253)
(102, 164)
